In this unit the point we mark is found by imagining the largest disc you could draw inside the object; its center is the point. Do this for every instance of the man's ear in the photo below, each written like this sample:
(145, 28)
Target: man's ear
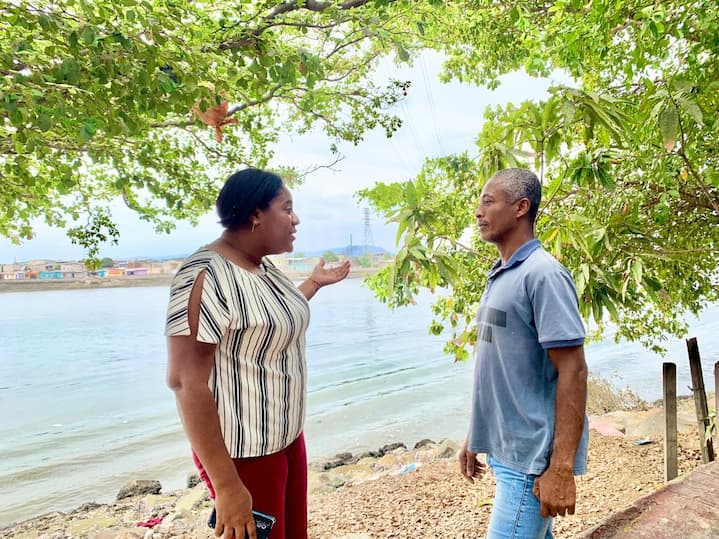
(523, 205)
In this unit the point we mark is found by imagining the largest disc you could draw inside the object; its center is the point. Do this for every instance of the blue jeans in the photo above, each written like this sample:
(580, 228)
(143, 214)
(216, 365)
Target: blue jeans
(515, 513)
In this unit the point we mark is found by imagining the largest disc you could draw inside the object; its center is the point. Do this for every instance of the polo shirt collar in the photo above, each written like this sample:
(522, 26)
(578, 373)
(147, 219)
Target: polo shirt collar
(519, 256)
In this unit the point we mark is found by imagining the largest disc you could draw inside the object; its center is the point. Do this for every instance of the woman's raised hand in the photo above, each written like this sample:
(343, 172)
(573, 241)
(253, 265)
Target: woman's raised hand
(323, 274)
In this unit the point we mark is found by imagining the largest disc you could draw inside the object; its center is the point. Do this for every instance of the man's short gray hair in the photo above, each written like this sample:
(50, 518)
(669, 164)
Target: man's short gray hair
(521, 183)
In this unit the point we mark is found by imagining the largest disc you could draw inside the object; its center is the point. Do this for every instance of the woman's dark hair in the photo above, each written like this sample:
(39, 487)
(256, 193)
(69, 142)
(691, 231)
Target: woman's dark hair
(244, 192)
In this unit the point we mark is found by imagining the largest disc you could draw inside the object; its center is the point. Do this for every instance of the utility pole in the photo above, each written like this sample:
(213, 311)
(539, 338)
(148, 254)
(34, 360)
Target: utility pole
(367, 231)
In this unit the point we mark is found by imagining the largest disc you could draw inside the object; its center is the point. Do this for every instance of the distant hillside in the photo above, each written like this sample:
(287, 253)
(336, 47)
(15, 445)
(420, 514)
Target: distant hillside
(357, 251)
(354, 251)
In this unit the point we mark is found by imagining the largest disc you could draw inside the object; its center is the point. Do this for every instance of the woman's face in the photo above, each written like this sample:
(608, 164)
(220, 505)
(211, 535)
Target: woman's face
(278, 223)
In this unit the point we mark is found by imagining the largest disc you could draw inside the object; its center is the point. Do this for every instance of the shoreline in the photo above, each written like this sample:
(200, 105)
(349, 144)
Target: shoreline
(394, 476)
(162, 279)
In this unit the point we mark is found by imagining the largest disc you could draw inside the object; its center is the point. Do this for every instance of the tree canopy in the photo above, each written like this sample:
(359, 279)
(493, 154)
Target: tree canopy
(97, 103)
(627, 155)
(97, 97)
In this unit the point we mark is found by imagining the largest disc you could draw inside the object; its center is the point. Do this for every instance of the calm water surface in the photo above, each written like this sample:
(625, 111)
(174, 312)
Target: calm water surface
(85, 408)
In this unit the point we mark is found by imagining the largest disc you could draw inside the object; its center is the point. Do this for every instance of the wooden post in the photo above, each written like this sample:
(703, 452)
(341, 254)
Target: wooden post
(716, 406)
(669, 381)
(700, 400)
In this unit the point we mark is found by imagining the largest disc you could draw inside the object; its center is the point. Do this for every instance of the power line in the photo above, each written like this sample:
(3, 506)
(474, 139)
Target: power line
(430, 101)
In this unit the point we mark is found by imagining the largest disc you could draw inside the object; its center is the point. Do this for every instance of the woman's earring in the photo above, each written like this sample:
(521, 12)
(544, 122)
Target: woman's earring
(254, 224)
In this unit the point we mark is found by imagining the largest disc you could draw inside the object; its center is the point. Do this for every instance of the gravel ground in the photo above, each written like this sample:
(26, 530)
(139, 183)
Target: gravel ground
(430, 502)
(435, 502)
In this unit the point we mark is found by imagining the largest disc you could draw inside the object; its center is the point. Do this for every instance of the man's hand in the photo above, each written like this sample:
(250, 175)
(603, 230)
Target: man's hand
(469, 466)
(556, 492)
(234, 513)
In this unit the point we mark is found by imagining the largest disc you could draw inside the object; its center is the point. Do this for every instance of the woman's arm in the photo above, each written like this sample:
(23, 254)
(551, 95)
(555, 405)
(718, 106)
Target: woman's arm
(188, 370)
(322, 276)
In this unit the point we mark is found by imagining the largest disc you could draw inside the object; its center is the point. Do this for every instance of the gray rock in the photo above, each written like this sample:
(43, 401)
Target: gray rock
(333, 481)
(138, 488)
(193, 479)
(391, 447)
(86, 507)
(423, 443)
(340, 459)
(447, 449)
(370, 454)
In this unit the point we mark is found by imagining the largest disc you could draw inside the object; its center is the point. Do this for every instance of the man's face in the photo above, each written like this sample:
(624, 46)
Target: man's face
(496, 214)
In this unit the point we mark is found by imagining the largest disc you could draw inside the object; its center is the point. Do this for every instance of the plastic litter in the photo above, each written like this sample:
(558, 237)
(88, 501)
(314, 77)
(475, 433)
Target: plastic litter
(412, 466)
(151, 523)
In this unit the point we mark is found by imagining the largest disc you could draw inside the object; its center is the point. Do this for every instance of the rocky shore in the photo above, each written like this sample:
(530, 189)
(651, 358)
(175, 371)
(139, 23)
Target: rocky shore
(398, 492)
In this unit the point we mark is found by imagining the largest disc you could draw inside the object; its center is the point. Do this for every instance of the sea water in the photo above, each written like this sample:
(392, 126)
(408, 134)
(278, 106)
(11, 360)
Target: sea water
(84, 406)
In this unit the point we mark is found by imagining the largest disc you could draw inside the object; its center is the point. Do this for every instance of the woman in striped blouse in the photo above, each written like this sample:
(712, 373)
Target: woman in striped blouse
(236, 359)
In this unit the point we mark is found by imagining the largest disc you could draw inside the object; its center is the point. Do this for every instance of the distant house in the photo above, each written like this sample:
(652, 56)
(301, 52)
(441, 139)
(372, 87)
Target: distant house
(77, 267)
(115, 272)
(100, 273)
(74, 274)
(49, 275)
(137, 271)
(165, 266)
(12, 272)
(301, 263)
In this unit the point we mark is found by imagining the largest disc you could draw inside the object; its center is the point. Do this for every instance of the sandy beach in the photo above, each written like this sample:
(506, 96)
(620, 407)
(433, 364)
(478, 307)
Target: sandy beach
(405, 493)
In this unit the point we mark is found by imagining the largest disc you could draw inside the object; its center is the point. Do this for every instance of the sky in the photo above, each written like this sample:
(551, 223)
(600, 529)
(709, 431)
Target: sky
(438, 119)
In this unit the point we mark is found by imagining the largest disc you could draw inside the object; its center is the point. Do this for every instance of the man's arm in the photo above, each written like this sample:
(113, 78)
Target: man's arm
(555, 488)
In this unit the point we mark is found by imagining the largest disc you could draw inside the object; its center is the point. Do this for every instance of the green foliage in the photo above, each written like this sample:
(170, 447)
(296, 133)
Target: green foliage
(95, 102)
(329, 256)
(96, 97)
(627, 156)
(107, 262)
(364, 261)
(99, 228)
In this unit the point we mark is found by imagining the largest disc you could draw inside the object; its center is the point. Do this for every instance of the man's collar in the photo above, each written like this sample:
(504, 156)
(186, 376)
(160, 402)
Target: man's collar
(519, 256)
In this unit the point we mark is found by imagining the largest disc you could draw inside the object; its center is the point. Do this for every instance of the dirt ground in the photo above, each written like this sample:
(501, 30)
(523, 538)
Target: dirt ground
(435, 502)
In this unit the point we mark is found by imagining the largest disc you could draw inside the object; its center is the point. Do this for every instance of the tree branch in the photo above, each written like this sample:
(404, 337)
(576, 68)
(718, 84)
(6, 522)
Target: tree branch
(682, 153)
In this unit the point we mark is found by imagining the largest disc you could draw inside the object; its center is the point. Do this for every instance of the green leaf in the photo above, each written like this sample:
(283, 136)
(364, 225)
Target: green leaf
(690, 107)
(88, 35)
(411, 194)
(637, 269)
(43, 122)
(44, 21)
(669, 126)
(568, 111)
(87, 131)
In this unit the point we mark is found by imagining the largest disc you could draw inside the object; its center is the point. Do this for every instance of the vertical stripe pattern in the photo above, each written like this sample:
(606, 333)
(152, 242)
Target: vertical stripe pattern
(258, 323)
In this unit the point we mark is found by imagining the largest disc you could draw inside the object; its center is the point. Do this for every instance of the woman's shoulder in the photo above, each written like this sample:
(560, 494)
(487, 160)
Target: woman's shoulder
(202, 259)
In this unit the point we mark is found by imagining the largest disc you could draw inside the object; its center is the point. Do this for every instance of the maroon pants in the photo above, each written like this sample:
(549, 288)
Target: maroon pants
(278, 485)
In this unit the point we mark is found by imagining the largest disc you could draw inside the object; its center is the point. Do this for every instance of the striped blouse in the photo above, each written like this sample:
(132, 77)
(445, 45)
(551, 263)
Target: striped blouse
(258, 322)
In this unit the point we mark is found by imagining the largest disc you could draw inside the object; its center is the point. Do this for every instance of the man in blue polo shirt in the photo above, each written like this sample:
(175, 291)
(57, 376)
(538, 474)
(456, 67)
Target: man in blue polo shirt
(530, 380)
